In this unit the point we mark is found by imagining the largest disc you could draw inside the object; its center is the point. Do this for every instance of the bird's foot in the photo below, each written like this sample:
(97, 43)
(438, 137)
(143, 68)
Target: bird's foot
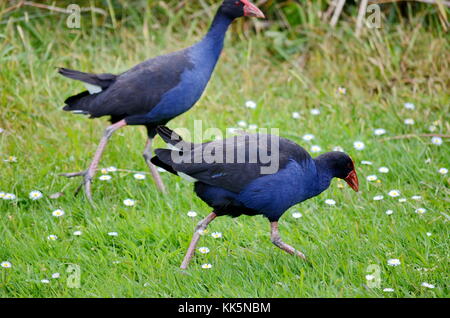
(87, 175)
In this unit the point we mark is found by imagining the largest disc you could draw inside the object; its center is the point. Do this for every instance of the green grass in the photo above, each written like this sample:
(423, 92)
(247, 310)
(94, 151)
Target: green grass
(381, 71)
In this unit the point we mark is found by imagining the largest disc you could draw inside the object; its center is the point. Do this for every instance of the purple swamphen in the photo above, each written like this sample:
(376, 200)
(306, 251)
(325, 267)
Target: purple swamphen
(229, 176)
(155, 91)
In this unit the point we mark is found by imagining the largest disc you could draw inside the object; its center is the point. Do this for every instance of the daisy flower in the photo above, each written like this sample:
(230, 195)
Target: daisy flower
(45, 281)
(379, 131)
(427, 285)
(388, 290)
(77, 233)
(2, 195)
(378, 198)
(409, 106)
(432, 128)
(216, 235)
(111, 169)
(401, 200)
(394, 193)
(370, 277)
(250, 104)
(367, 163)
(338, 148)
(436, 141)
(316, 148)
(52, 237)
(192, 214)
(129, 202)
(416, 197)
(409, 121)
(58, 213)
(296, 115)
(35, 195)
(389, 212)
(372, 177)
(5, 264)
(393, 262)
(296, 215)
(10, 159)
(139, 176)
(443, 170)
(1, 130)
(105, 177)
(359, 145)
(308, 137)
(315, 112)
(342, 90)
(330, 202)
(203, 250)
(113, 233)
(429, 234)
(206, 266)
(9, 196)
(242, 123)
(55, 275)
(420, 211)
(383, 170)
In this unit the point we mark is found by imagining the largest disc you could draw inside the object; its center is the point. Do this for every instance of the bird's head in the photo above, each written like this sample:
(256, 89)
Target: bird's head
(341, 166)
(239, 8)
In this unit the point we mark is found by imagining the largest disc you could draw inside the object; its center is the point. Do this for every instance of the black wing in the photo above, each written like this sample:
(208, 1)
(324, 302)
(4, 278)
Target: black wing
(103, 80)
(134, 92)
(232, 163)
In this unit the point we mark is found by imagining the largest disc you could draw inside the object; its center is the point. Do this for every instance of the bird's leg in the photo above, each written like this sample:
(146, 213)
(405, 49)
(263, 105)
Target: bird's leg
(90, 172)
(201, 226)
(276, 239)
(148, 156)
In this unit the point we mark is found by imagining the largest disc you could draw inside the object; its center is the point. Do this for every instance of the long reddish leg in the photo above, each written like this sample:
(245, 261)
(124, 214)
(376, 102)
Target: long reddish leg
(90, 172)
(148, 156)
(276, 239)
(201, 226)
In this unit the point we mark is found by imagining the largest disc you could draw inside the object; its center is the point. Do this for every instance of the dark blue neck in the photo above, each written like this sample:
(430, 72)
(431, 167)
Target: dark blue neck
(216, 35)
(324, 174)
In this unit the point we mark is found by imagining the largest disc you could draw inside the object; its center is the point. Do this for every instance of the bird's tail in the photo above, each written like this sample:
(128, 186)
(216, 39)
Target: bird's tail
(172, 138)
(79, 103)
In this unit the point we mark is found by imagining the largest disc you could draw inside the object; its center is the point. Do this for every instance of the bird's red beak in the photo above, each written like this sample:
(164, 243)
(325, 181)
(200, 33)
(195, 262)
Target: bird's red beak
(250, 10)
(352, 180)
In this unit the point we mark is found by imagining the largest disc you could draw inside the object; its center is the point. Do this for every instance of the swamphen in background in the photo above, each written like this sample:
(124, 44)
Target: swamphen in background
(229, 176)
(155, 91)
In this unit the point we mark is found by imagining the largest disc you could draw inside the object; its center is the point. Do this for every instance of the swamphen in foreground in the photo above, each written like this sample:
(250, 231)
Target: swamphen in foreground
(155, 91)
(233, 176)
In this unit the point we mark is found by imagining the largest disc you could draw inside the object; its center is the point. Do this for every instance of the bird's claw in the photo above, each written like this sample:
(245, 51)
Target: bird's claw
(87, 181)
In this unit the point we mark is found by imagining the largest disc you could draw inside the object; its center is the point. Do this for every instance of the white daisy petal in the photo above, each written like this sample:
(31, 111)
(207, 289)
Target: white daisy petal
(379, 131)
(436, 141)
(359, 145)
(58, 213)
(129, 202)
(443, 170)
(192, 214)
(35, 195)
(394, 193)
(383, 170)
(250, 104)
(393, 262)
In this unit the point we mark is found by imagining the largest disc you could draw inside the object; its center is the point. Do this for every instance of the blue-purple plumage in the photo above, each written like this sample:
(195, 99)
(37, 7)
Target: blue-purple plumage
(233, 188)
